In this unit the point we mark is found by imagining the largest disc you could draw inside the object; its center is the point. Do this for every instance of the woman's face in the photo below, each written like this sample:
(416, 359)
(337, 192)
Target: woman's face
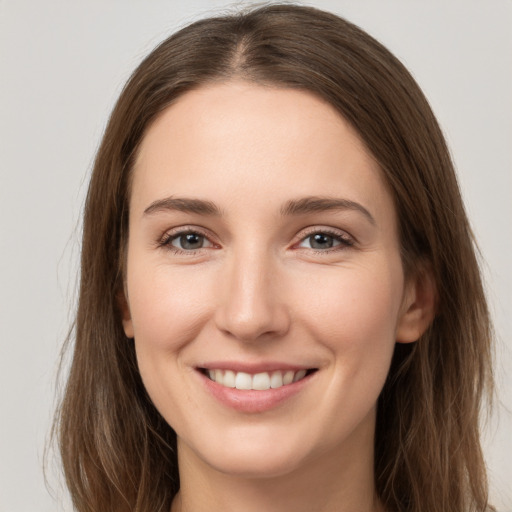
(263, 248)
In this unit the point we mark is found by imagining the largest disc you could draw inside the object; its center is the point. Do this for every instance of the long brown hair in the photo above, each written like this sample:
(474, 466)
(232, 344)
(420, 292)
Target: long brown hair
(118, 453)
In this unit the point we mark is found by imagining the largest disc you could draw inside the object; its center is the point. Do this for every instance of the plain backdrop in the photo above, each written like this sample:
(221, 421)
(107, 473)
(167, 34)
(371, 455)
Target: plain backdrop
(62, 65)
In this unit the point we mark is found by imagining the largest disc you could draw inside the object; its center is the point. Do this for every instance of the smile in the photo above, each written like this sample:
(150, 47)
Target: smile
(258, 381)
(254, 388)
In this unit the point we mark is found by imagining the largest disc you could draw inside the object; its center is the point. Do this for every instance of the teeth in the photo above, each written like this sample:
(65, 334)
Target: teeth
(229, 379)
(242, 380)
(288, 378)
(259, 381)
(299, 375)
(276, 380)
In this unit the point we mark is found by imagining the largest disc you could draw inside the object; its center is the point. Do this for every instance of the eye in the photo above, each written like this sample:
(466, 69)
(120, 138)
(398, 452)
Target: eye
(186, 241)
(324, 240)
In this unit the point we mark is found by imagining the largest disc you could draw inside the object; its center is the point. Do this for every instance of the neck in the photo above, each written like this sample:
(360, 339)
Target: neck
(337, 481)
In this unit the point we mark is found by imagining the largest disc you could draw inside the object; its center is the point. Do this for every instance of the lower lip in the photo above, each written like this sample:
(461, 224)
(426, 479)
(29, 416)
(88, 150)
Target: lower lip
(253, 401)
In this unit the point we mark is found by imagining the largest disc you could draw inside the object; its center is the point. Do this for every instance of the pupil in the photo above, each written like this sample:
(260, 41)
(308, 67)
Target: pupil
(321, 241)
(191, 241)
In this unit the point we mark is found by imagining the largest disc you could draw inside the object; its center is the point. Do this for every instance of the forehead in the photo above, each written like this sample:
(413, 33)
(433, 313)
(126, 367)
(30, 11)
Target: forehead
(241, 141)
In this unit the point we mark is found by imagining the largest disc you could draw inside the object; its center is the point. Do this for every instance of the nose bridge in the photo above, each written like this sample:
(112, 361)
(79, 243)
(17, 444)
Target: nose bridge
(250, 305)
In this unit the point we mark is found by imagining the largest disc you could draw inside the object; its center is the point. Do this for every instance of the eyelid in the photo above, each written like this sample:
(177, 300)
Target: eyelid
(346, 240)
(164, 241)
(178, 236)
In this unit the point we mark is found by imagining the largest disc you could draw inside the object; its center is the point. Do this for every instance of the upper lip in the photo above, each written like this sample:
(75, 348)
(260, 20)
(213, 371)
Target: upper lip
(253, 368)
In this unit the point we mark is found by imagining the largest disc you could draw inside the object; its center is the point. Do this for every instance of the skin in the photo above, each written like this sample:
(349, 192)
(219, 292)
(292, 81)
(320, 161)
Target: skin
(257, 290)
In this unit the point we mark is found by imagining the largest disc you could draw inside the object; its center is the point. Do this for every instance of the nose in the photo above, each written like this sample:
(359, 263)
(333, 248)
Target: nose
(250, 306)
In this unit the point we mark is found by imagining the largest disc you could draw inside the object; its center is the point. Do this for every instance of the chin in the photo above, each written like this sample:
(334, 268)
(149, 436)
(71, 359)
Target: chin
(257, 466)
(249, 459)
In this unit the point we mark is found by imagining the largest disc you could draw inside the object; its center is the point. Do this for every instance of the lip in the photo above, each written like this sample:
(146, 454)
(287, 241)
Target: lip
(253, 401)
(252, 368)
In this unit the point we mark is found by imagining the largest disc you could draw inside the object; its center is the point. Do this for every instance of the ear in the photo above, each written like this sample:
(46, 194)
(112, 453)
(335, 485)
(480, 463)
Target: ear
(418, 306)
(122, 302)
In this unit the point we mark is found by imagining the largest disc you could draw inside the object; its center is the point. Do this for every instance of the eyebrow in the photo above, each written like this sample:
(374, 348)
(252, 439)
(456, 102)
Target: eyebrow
(302, 206)
(186, 205)
(314, 204)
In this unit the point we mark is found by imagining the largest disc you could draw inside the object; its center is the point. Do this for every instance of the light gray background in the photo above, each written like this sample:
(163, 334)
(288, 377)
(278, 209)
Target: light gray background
(62, 65)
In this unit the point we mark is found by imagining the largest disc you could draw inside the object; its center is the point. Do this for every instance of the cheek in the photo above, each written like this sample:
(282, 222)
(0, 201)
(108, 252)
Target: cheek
(355, 309)
(168, 311)
(167, 308)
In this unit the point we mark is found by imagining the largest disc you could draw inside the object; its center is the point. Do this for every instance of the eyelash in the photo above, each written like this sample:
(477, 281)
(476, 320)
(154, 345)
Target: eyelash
(167, 239)
(345, 241)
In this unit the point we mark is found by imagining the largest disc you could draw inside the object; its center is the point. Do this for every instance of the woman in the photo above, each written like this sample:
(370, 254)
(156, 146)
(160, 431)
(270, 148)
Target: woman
(280, 305)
